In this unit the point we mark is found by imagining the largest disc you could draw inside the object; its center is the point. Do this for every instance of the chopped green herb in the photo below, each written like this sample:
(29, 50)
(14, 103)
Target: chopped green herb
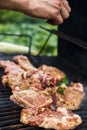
(60, 90)
(64, 81)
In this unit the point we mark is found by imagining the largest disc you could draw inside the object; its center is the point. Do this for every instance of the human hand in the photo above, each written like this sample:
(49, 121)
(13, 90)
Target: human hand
(53, 10)
(63, 14)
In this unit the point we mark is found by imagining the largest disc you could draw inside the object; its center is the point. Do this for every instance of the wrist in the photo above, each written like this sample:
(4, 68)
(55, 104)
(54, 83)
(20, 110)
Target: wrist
(5, 4)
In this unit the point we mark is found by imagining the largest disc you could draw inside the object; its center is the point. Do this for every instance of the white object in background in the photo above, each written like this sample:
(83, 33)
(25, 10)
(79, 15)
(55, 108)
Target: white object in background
(13, 48)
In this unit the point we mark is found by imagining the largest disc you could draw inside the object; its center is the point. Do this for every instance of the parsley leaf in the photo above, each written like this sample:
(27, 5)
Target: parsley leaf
(60, 90)
(64, 81)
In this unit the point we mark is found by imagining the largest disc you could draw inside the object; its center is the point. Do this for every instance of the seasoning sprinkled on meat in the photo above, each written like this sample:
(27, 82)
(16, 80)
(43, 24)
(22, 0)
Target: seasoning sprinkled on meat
(45, 94)
(71, 98)
(23, 62)
(61, 119)
(11, 68)
(32, 98)
(13, 74)
(54, 72)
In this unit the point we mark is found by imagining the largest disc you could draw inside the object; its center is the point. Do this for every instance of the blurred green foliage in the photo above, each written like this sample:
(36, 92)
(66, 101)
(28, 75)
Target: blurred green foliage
(17, 23)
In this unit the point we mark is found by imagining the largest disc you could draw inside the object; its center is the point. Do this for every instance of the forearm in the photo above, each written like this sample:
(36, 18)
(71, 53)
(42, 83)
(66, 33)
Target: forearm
(15, 5)
(53, 10)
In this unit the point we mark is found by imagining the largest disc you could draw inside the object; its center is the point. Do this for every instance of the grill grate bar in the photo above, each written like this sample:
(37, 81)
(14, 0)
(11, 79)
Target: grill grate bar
(9, 117)
(19, 127)
(9, 113)
(5, 95)
(6, 102)
(14, 108)
(8, 122)
(5, 105)
(12, 127)
(30, 128)
(3, 88)
(4, 99)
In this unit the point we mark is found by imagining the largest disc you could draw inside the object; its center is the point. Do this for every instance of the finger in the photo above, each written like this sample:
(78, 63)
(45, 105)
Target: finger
(52, 22)
(66, 5)
(57, 21)
(64, 12)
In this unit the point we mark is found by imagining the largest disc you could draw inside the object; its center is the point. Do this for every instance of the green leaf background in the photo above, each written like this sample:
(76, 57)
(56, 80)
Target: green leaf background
(17, 23)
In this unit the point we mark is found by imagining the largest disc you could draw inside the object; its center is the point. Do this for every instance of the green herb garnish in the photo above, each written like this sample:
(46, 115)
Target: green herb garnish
(60, 90)
(64, 81)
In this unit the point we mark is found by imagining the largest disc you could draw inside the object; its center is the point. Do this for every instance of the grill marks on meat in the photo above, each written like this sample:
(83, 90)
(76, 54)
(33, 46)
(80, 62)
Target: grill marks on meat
(13, 73)
(72, 97)
(16, 77)
(11, 68)
(24, 63)
(52, 73)
(23, 75)
(42, 77)
(46, 76)
(42, 80)
(61, 119)
(32, 98)
(36, 90)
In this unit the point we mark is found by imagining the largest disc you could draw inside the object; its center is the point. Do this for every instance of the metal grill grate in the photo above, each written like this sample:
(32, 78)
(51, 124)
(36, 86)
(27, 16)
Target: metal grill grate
(10, 112)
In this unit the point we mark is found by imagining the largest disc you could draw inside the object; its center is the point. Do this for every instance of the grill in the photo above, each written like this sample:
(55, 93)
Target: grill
(71, 59)
(10, 112)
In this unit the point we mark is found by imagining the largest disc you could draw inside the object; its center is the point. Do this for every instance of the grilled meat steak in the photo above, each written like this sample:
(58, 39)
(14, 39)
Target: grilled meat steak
(11, 68)
(54, 72)
(32, 98)
(44, 76)
(41, 79)
(71, 98)
(23, 62)
(13, 74)
(19, 78)
(61, 119)
(36, 90)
